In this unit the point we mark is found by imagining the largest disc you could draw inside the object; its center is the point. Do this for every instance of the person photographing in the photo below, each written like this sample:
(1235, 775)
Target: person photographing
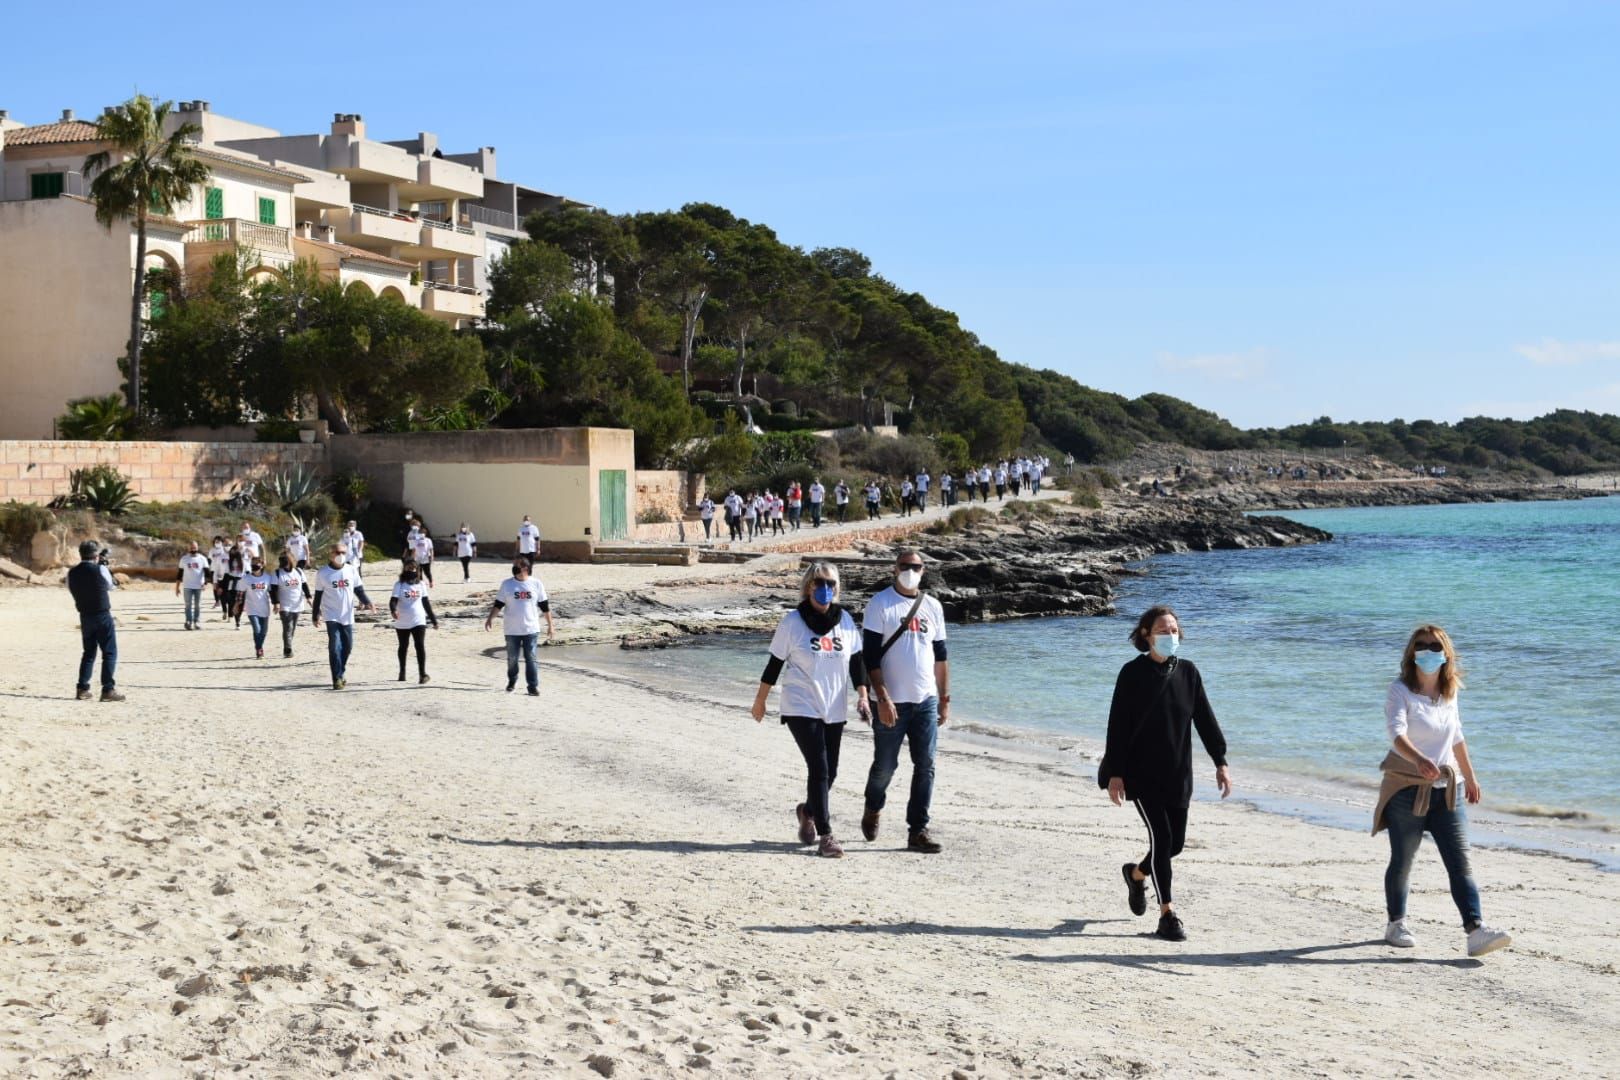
(92, 585)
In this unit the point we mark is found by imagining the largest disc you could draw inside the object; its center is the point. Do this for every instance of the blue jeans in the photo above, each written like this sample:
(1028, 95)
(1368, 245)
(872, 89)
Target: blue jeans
(193, 606)
(1450, 831)
(918, 724)
(339, 644)
(97, 632)
(261, 626)
(526, 644)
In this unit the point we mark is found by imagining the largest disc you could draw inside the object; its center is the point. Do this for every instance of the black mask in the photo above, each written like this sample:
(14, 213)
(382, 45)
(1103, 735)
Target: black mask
(516, 570)
(410, 577)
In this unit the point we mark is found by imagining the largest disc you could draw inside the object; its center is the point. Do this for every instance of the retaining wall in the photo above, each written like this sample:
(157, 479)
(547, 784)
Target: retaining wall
(36, 470)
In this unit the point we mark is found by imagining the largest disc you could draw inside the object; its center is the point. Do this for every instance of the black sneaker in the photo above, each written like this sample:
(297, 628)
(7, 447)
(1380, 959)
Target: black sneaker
(921, 841)
(1170, 928)
(510, 687)
(1138, 895)
(534, 691)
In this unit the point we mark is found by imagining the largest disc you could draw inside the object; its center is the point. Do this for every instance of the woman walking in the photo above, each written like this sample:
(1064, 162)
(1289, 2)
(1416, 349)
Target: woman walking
(412, 613)
(820, 646)
(1158, 700)
(257, 590)
(466, 551)
(235, 567)
(219, 564)
(1419, 792)
(291, 591)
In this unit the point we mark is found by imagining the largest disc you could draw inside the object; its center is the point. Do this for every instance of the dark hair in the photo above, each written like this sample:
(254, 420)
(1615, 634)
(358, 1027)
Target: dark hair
(406, 567)
(89, 549)
(1142, 634)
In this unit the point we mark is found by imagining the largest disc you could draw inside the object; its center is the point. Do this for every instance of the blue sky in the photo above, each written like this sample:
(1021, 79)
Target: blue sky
(1277, 211)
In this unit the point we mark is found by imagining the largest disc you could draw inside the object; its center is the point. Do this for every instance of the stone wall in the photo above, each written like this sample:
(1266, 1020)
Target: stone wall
(36, 471)
(662, 490)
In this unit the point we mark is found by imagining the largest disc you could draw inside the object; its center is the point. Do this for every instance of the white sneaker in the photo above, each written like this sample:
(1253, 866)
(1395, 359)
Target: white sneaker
(1398, 935)
(1482, 939)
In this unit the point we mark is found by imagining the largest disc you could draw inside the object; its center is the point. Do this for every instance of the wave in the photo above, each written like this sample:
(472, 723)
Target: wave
(1555, 813)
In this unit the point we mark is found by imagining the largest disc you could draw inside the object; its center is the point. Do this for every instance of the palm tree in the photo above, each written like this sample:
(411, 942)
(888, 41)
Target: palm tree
(101, 418)
(151, 174)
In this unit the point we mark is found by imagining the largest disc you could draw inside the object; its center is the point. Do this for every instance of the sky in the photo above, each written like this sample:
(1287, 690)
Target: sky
(1277, 211)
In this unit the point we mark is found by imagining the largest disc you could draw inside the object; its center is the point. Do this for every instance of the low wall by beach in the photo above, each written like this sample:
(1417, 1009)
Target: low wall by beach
(661, 491)
(38, 470)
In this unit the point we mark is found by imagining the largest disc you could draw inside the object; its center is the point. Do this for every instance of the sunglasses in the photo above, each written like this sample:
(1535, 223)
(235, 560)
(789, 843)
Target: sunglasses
(1429, 646)
(910, 565)
(824, 581)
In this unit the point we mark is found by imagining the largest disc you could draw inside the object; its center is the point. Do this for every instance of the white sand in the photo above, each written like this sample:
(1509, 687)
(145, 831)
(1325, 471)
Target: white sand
(238, 869)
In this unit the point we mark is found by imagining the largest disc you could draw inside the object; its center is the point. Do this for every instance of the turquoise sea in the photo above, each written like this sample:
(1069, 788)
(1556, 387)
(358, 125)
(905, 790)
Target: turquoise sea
(1298, 645)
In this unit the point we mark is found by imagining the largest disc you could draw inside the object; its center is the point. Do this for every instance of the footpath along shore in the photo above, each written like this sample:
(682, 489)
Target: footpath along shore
(237, 869)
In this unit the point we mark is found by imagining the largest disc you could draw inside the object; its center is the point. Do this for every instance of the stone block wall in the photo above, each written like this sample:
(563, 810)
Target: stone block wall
(37, 470)
(662, 489)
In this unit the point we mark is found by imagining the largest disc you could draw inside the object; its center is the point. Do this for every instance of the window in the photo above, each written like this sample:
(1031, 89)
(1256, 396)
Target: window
(267, 211)
(214, 209)
(45, 185)
(158, 304)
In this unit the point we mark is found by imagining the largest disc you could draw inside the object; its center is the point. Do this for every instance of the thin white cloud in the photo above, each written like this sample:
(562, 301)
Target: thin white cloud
(1554, 353)
(1228, 367)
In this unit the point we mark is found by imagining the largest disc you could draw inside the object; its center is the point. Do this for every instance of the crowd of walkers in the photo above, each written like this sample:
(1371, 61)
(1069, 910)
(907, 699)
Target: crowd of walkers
(894, 663)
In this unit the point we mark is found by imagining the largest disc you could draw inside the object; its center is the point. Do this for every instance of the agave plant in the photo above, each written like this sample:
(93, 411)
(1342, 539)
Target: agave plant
(101, 488)
(283, 489)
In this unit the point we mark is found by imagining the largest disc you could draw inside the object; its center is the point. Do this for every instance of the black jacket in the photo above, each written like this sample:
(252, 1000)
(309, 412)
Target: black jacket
(1150, 724)
(88, 583)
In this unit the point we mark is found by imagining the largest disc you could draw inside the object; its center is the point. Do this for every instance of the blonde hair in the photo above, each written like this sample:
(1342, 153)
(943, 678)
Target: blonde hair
(819, 570)
(1451, 674)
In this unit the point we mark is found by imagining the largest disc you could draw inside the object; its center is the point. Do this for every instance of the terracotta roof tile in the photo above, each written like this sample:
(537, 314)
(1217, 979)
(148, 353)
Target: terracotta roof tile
(346, 251)
(65, 131)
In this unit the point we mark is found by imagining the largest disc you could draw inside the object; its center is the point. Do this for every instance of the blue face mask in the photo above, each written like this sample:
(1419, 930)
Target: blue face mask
(824, 594)
(1429, 662)
(1166, 644)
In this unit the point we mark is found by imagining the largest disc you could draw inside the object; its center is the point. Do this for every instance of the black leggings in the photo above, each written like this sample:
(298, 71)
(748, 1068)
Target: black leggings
(427, 571)
(1167, 832)
(819, 743)
(466, 563)
(417, 634)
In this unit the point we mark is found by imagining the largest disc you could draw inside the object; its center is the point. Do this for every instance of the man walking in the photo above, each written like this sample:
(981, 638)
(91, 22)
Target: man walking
(528, 538)
(903, 641)
(92, 586)
(521, 600)
(923, 480)
(354, 552)
(337, 587)
(193, 577)
(841, 500)
(817, 494)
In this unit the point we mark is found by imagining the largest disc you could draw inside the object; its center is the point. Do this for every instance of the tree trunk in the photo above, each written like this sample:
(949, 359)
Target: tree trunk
(135, 334)
(689, 319)
(742, 362)
(331, 411)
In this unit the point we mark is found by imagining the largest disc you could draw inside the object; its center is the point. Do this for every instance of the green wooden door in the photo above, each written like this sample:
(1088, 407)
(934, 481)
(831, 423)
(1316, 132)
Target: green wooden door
(610, 497)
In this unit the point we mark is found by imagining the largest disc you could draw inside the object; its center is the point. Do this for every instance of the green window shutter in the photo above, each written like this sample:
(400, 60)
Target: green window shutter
(159, 304)
(267, 211)
(155, 204)
(46, 185)
(214, 203)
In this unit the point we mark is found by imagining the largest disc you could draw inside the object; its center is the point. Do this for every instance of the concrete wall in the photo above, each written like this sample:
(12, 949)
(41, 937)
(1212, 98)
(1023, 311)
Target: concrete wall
(661, 489)
(490, 479)
(36, 471)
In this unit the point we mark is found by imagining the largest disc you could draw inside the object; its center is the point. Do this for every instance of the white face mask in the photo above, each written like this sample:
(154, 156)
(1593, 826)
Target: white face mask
(909, 579)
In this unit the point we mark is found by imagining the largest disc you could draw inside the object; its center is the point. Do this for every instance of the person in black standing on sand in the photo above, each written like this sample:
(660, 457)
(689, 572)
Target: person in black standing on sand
(1158, 700)
(91, 584)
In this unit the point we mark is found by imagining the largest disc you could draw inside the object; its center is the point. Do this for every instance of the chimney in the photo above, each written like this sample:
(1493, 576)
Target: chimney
(306, 230)
(202, 106)
(328, 233)
(4, 115)
(426, 143)
(67, 115)
(349, 124)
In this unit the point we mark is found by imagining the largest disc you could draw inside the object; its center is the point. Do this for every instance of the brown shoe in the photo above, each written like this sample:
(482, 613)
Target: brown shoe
(84, 695)
(807, 828)
(830, 848)
(921, 841)
(869, 824)
(111, 695)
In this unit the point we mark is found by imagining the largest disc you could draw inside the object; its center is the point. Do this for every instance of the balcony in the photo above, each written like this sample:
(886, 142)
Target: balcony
(372, 226)
(494, 219)
(443, 240)
(451, 301)
(366, 161)
(437, 178)
(269, 243)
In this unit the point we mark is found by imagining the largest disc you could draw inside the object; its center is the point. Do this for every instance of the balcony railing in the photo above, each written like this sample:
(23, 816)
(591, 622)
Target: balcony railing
(483, 215)
(445, 286)
(437, 224)
(249, 234)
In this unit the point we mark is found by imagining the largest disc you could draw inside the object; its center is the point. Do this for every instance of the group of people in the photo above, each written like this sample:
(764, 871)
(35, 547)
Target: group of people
(751, 514)
(894, 663)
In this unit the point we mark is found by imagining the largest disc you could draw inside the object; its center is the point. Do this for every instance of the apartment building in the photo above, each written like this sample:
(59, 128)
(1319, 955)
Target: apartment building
(401, 219)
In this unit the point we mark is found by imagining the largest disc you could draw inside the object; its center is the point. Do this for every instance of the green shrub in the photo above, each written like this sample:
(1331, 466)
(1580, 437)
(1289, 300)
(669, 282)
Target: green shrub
(962, 519)
(101, 488)
(352, 490)
(277, 431)
(288, 487)
(19, 521)
(1086, 497)
(317, 507)
(101, 419)
(653, 515)
(1020, 510)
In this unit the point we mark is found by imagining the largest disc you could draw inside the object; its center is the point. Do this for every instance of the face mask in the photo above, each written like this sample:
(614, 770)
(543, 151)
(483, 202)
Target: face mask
(909, 579)
(410, 577)
(824, 594)
(258, 569)
(1166, 644)
(1429, 662)
(516, 570)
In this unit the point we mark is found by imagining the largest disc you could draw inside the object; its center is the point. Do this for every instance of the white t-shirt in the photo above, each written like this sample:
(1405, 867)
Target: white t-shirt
(984, 475)
(356, 543)
(908, 666)
(922, 481)
(465, 542)
(256, 593)
(221, 558)
(734, 504)
(291, 584)
(841, 494)
(337, 588)
(193, 571)
(409, 613)
(817, 493)
(422, 548)
(528, 538)
(298, 547)
(706, 509)
(873, 494)
(252, 543)
(1435, 727)
(905, 488)
(815, 667)
(522, 599)
(776, 508)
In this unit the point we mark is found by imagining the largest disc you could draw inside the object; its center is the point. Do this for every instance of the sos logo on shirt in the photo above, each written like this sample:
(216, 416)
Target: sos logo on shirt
(827, 644)
(521, 594)
(918, 625)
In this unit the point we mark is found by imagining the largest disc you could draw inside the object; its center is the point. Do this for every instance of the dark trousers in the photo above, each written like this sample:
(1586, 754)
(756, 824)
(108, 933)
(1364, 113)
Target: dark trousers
(1449, 827)
(417, 634)
(289, 627)
(819, 743)
(708, 528)
(466, 568)
(815, 514)
(427, 571)
(339, 644)
(1167, 833)
(843, 512)
(97, 633)
(918, 725)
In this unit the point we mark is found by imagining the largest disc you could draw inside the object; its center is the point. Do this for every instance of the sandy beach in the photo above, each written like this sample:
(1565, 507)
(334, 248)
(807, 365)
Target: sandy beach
(238, 870)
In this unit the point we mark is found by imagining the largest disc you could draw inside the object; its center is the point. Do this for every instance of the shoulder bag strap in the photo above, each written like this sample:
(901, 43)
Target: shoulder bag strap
(912, 614)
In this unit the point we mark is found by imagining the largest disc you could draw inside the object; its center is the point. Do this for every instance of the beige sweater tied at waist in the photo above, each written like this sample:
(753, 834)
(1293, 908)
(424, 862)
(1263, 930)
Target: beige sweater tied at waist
(1400, 774)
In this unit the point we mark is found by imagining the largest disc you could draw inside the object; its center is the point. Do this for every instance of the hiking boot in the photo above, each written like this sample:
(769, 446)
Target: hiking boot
(1138, 890)
(534, 691)
(807, 828)
(869, 824)
(830, 848)
(1482, 939)
(113, 695)
(921, 841)
(84, 694)
(1170, 927)
(1397, 934)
